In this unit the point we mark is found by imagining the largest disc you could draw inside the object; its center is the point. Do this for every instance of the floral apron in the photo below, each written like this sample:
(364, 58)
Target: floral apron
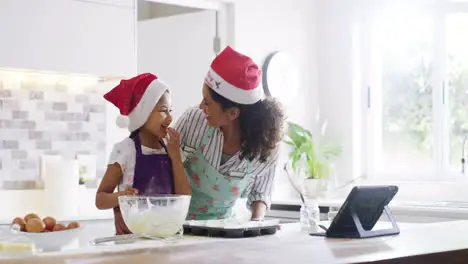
(213, 194)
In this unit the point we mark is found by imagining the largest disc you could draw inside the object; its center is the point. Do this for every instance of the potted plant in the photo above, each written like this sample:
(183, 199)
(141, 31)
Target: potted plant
(311, 162)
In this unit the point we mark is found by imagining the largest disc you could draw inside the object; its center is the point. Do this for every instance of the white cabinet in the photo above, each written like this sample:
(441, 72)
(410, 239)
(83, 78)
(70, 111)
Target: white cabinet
(90, 37)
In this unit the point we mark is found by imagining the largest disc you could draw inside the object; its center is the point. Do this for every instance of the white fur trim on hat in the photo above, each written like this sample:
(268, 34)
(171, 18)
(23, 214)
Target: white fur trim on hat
(139, 115)
(231, 92)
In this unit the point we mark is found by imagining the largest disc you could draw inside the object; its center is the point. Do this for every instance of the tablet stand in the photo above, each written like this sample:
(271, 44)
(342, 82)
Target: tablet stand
(356, 230)
(362, 233)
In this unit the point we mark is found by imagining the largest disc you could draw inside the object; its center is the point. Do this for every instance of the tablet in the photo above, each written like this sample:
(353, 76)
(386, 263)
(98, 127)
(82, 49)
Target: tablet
(360, 212)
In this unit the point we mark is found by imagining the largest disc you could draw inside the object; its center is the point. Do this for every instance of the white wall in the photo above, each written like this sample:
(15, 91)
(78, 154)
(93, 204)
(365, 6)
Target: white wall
(264, 26)
(339, 102)
(179, 50)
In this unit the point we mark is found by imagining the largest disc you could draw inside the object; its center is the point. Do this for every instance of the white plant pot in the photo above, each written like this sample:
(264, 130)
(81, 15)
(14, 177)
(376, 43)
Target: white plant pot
(314, 188)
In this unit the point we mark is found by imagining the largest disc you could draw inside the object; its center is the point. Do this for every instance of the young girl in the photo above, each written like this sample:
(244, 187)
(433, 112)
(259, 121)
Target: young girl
(142, 163)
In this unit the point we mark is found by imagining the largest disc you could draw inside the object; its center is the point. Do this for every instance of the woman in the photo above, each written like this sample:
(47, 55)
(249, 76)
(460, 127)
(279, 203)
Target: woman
(231, 141)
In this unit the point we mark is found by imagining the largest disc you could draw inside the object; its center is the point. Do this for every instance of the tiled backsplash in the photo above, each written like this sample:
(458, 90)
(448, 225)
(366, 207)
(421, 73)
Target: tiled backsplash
(53, 117)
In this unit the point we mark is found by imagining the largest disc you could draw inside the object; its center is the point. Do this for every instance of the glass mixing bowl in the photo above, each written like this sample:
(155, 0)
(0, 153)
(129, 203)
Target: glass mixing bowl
(158, 216)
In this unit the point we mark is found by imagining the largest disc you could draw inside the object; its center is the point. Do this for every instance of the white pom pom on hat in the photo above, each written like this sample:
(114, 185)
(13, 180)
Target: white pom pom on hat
(122, 121)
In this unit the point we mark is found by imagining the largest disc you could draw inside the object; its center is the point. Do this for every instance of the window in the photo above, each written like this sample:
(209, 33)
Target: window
(457, 83)
(417, 73)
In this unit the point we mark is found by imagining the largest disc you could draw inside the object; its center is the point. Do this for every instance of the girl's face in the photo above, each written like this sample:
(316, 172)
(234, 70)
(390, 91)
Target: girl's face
(160, 119)
(214, 113)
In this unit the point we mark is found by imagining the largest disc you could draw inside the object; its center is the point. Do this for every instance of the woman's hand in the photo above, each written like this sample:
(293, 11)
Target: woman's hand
(120, 226)
(258, 210)
(173, 144)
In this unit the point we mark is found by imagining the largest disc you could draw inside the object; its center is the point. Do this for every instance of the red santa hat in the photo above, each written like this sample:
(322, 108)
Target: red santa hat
(235, 77)
(136, 99)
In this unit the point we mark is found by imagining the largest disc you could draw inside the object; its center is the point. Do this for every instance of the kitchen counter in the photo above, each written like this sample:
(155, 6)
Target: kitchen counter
(418, 243)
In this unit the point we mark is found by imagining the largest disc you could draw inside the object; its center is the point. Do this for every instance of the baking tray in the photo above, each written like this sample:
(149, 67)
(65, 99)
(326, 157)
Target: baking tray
(231, 228)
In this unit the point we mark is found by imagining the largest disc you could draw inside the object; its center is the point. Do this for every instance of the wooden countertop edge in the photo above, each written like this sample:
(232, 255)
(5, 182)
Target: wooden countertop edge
(452, 257)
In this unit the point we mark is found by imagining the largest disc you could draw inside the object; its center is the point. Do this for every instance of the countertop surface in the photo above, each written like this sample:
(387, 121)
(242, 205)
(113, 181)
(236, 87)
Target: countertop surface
(441, 241)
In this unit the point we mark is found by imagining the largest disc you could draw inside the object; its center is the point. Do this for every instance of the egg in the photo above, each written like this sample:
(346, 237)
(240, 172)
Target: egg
(19, 221)
(49, 223)
(58, 227)
(73, 225)
(35, 225)
(30, 216)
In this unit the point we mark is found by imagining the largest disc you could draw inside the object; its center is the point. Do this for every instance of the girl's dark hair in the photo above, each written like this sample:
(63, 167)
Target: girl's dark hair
(261, 126)
(134, 133)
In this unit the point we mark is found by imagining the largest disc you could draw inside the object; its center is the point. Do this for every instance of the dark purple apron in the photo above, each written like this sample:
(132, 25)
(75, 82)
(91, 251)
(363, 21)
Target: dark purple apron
(153, 173)
(152, 176)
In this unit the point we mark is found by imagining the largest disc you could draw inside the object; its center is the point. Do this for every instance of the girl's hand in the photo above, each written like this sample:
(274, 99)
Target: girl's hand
(128, 191)
(120, 226)
(173, 144)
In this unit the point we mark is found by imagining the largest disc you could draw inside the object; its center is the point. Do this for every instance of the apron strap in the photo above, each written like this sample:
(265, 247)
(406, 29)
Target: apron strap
(137, 142)
(248, 168)
(163, 145)
(207, 136)
(206, 139)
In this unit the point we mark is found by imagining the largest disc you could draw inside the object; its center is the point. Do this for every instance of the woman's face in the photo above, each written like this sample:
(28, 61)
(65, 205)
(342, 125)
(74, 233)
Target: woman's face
(214, 113)
(160, 119)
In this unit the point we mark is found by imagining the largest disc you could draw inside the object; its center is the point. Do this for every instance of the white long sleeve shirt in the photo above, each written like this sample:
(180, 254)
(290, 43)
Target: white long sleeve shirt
(192, 127)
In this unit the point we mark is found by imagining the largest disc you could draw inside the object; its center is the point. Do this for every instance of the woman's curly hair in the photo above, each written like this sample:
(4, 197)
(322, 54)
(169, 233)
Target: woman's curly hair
(261, 126)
